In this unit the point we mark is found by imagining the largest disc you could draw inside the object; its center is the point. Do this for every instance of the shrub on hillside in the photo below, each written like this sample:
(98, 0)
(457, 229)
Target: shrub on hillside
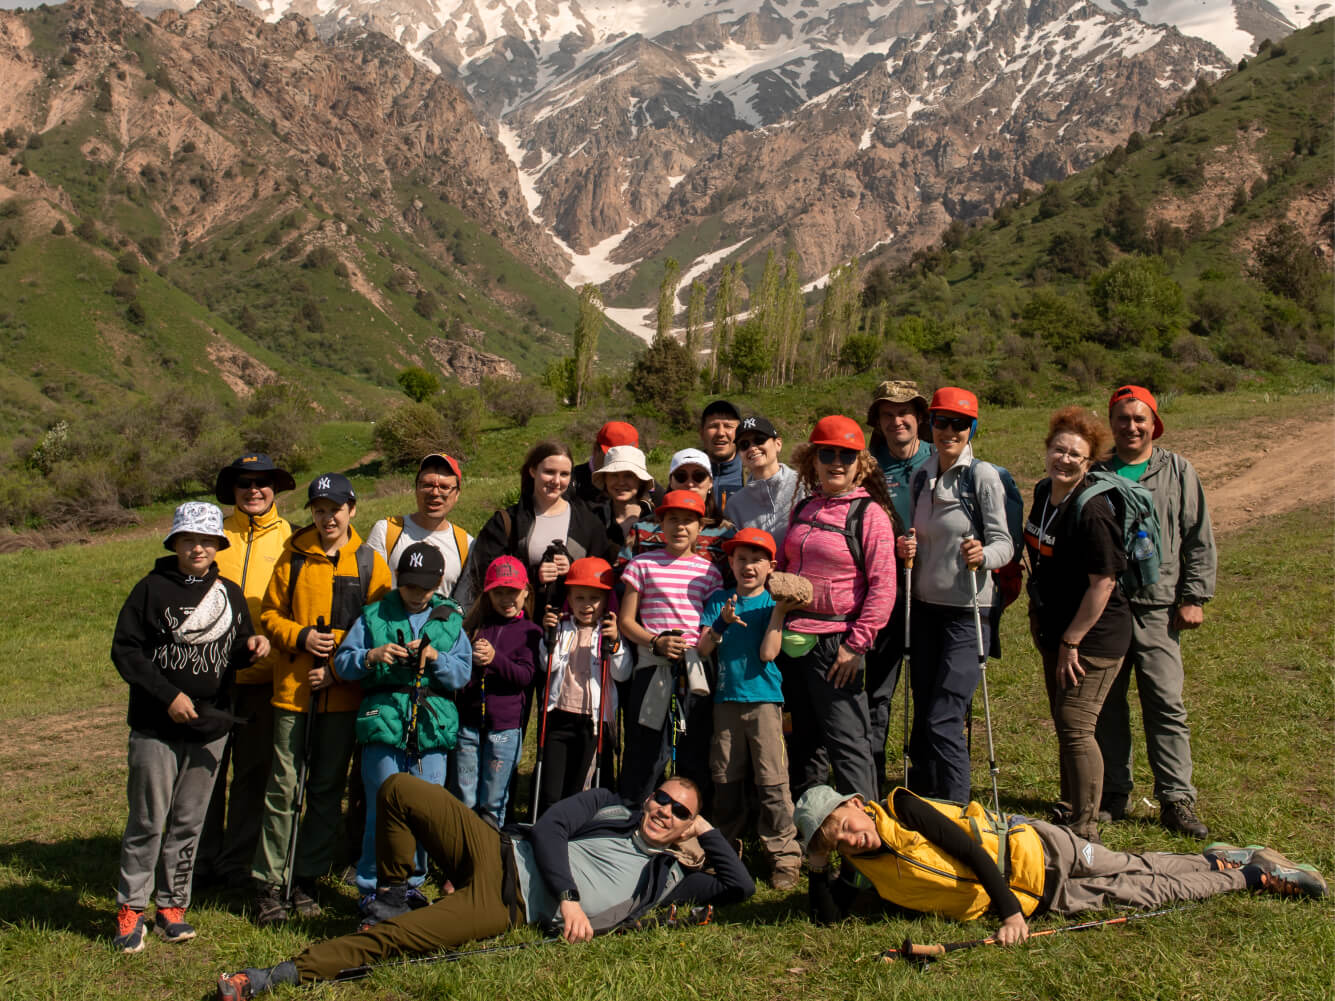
(518, 401)
(418, 384)
(408, 433)
(661, 378)
(280, 419)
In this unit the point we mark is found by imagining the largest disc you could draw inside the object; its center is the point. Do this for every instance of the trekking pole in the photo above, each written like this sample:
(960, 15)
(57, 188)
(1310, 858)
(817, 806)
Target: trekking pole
(604, 661)
(923, 953)
(303, 770)
(908, 658)
(542, 720)
(987, 706)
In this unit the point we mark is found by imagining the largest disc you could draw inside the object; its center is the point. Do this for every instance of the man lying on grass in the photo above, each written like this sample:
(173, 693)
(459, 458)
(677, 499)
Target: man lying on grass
(942, 858)
(588, 865)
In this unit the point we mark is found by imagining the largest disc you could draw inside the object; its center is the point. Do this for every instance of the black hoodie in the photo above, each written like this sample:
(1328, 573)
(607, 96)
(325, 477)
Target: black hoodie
(159, 662)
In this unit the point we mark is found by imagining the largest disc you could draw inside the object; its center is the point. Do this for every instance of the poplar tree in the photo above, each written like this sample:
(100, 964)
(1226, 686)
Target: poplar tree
(724, 306)
(587, 328)
(695, 319)
(667, 296)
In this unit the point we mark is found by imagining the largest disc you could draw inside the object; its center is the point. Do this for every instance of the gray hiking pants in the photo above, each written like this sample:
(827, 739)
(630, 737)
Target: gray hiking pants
(1083, 876)
(168, 791)
(1156, 658)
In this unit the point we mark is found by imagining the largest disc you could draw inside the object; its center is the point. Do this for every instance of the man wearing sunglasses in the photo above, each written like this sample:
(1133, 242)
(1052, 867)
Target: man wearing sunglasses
(588, 865)
(767, 499)
(255, 532)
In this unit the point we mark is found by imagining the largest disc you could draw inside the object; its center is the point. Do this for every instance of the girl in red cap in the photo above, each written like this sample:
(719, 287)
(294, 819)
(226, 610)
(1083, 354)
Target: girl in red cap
(841, 538)
(506, 644)
(581, 696)
(959, 528)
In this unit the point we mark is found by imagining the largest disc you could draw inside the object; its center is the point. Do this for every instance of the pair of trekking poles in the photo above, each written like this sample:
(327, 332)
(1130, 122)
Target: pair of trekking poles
(982, 671)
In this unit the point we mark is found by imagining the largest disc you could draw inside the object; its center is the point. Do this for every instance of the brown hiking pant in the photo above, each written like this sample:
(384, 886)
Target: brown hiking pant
(1075, 712)
(409, 811)
(1089, 877)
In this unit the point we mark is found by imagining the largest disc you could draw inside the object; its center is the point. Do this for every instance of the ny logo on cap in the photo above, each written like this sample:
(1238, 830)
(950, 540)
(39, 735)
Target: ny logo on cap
(749, 424)
(415, 560)
(323, 483)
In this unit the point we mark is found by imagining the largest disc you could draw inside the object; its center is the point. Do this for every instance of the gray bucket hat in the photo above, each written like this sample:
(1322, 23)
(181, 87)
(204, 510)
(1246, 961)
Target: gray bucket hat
(816, 804)
(199, 517)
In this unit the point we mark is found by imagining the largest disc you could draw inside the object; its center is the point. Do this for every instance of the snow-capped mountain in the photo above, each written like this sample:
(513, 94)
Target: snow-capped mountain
(832, 125)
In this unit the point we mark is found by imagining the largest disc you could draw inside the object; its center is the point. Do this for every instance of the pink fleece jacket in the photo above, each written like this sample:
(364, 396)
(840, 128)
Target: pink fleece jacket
(864, 597)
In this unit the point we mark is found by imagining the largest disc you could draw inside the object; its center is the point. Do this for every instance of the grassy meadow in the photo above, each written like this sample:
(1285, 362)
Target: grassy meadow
(1259, 693)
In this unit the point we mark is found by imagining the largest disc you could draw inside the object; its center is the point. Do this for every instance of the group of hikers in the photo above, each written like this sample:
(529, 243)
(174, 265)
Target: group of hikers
(727, 645)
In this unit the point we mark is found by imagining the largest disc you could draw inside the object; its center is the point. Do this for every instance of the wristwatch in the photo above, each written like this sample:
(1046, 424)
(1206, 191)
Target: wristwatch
(571, 895)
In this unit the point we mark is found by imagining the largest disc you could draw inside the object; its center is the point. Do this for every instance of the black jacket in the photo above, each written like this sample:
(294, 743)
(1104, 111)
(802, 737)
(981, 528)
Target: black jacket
(160, 663)
(600, 813)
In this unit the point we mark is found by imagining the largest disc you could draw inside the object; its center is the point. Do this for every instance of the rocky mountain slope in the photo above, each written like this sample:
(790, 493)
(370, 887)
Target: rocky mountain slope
(277, 207)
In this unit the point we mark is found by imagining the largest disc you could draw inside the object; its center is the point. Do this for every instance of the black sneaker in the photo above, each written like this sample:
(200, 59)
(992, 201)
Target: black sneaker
(129, 930)
(171, 925)
(1178, 815)
(387, 902)
(1112, 807)
(303, 899)
(269, 906)
(251, 981)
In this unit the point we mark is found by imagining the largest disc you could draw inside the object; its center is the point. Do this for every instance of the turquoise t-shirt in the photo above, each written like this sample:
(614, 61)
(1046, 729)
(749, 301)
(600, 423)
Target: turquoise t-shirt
(898, 475)
(742, 675)
(1128, 471)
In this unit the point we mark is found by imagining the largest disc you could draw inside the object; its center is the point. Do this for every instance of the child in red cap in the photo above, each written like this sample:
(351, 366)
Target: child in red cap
(506, 643)
(743, 627)
(665, 591)
(580, 703)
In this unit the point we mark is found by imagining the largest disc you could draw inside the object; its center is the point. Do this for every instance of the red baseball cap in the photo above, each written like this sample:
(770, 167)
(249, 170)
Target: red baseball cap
(591, 571)
(681, 500)
(617, 433)
(750, 537)
(505, 571)
(838, 430)
(436, 458)
(954, 400)
(1142, 394)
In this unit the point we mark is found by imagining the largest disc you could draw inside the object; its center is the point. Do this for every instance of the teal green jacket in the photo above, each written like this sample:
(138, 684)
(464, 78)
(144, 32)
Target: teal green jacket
(400, 707)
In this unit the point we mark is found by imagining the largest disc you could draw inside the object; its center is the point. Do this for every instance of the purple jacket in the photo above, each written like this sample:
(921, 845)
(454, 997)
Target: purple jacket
(506, 677)
(847, 599)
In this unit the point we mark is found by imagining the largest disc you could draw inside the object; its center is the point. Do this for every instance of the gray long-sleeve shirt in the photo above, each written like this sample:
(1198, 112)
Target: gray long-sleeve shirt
(766, 504)
(940, 523)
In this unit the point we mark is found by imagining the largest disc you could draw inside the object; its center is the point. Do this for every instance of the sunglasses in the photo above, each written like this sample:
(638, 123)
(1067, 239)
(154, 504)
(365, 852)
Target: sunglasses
(843, 456)
(678, 810)
(696, 476)
(254, 483)
(943, 421)
(746, 444)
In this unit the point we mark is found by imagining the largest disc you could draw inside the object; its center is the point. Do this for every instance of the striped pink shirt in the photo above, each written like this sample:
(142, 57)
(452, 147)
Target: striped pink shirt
(672, 590)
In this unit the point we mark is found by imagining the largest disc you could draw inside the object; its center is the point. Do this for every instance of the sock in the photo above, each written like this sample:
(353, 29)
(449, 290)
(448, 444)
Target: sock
(1252, 874)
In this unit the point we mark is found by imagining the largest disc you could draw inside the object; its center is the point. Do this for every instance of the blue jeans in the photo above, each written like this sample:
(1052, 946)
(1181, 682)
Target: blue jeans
(483, 769)
(379, 762)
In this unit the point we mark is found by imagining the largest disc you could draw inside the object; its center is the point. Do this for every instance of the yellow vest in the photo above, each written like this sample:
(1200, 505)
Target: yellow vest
(248, 562)
(914, 873)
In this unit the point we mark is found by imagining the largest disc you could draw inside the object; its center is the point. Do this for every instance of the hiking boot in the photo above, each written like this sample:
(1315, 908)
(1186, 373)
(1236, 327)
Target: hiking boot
(785, 879)
(170, 924)
(129, 930)
(269, 906)
(251, 981)
(1112, 807)
(1226, 856)
(388, 902)
(1268, 858)
(1287, 880)
(303, 899)
(1180, 816)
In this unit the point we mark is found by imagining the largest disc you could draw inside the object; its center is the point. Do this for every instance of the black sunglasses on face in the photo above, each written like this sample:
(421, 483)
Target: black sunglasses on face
(943, 421)
(696, 476)
(257, 483)
(746, 444)
(844, 456)
(678, 810)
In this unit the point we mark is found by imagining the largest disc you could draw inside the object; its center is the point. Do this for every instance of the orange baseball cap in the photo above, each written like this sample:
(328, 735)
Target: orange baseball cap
(954, 400)
(682, 500)
(839, 431)
(615, 433)
(591, 571)
(750, 537)
(1144, 396)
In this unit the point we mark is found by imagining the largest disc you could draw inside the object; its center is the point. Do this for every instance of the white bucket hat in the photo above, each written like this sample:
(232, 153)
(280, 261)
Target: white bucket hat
(623, 458)
(199, 517)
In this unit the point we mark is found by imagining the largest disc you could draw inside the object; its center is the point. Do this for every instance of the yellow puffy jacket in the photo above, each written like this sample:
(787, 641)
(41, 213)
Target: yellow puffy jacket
(324, 588)
(916, 874)
(256, 545)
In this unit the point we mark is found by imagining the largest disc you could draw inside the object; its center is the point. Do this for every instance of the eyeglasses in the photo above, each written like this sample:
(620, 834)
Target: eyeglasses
(429, 486)
(695, 476)
(679, 811)
(843, 456)
(254, 483)
(943, 421)
(746, 444)
(1065, 453)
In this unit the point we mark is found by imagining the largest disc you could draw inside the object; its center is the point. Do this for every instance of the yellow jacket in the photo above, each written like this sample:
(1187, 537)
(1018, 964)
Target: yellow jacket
(256, 544)
(916, 874)
(323, 589)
